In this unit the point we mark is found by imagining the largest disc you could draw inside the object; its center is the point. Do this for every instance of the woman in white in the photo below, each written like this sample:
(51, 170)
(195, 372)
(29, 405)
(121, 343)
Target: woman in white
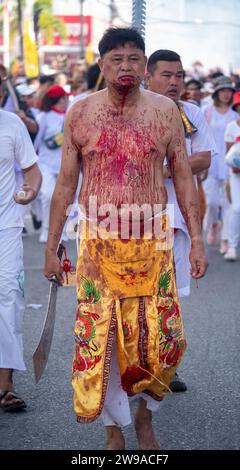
(232, 135)
(218, 115)
(48, 145)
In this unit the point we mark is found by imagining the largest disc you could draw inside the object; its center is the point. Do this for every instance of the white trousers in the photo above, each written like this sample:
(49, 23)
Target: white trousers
(181, 251)
(234, 220)
(11, 299)
(48, 185)
(216, 199)
(116, 410)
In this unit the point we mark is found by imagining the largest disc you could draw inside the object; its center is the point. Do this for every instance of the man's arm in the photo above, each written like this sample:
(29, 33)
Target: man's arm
(31, 124)
(186, 193)
(31, 186)
(63, 196)
(200, 161)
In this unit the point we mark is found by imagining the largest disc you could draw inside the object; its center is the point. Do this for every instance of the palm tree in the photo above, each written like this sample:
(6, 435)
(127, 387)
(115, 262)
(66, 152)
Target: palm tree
(45, 22)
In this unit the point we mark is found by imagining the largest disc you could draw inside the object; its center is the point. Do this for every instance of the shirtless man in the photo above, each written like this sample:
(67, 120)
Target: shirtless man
(121, 135)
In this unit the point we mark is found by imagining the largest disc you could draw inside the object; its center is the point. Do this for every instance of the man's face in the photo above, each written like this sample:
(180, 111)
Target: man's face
(123, 67)
(167, 79)
(30, 100)
(194, 92)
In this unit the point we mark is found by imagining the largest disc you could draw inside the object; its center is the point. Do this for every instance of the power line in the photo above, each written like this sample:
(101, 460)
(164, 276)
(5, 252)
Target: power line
(197, 21)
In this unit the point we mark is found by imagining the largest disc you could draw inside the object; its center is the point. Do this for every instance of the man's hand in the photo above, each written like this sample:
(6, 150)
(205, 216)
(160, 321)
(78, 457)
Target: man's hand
(25, 195)
(198, 259)
(21, 114)
(52, 266)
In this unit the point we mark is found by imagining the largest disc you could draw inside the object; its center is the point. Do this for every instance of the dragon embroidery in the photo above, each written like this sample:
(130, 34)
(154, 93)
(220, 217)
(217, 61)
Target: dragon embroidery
(86, 356)
(171, 342)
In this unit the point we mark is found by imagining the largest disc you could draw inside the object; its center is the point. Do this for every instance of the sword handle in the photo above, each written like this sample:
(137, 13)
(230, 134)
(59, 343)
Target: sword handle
(60, 251)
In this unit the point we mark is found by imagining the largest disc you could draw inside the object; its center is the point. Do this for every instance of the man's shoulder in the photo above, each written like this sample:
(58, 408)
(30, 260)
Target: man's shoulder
(196, 115)
(9, 118)
(191, 108)
(158, 100)
(86, 100)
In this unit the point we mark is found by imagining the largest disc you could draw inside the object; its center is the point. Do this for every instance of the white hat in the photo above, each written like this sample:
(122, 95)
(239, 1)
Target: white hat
(208, 87)
(25, 90)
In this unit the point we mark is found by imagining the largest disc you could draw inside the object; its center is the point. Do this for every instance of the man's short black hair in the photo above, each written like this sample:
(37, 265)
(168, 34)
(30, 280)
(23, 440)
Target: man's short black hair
(92, 76)
(117, 37)
(46, 79)
(194, 81)
(161, 55)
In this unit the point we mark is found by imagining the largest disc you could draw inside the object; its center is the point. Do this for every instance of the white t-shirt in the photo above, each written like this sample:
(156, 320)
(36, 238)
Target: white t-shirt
(232, 132)
(218, 123)
(50, 125)
(200, 141)
(15, 146)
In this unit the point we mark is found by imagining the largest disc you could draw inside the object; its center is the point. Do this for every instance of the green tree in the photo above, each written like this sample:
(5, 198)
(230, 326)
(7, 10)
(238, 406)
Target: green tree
(45, 22)
(14, 20)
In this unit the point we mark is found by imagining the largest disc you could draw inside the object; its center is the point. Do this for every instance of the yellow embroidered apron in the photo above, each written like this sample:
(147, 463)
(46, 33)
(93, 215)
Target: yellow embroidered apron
(128, 287)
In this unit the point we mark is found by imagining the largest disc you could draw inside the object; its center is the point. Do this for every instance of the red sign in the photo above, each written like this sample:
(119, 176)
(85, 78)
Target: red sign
(73, 25)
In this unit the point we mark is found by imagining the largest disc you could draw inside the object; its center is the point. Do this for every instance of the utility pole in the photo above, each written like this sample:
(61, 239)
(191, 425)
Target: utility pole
(20, 29)
(82, 38)
(6, 33)
(113, 11)
(139, 15)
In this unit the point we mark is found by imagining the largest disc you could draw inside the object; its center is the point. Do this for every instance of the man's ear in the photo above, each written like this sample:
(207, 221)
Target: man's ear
(147, 79)
(100, 63)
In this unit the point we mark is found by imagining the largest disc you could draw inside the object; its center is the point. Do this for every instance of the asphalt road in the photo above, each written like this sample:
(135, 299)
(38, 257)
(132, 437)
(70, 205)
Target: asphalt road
(205, 417)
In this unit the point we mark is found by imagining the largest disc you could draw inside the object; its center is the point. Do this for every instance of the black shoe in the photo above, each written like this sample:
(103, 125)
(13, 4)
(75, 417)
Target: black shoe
(25, 233)
(177, 384)
(36, 223)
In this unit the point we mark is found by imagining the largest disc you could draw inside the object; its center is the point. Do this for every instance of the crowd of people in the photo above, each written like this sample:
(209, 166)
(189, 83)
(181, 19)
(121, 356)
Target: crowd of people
(204, 189)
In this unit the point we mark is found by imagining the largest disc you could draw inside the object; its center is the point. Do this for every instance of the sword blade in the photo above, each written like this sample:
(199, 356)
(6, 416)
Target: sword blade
(40, 356)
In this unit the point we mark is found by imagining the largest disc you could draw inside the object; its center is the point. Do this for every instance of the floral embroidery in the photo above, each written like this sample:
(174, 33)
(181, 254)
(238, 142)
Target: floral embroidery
(133, 279)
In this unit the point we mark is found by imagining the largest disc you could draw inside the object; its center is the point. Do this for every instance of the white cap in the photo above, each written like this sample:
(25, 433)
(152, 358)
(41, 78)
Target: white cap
(208, 87)
(25, 90)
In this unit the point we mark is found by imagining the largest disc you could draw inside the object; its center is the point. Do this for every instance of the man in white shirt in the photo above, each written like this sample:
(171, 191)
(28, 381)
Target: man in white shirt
(16, 147)
(165, 76)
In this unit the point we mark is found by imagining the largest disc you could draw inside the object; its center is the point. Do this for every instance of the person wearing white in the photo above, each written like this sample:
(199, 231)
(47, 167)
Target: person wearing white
(48, 145)
(95, 82)
(232, 135)
(218, 115)
(16, 146)
(165, 76)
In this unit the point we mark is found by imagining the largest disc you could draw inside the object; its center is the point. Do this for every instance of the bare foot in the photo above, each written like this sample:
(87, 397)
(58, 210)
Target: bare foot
(144, 430)
(115, 438)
